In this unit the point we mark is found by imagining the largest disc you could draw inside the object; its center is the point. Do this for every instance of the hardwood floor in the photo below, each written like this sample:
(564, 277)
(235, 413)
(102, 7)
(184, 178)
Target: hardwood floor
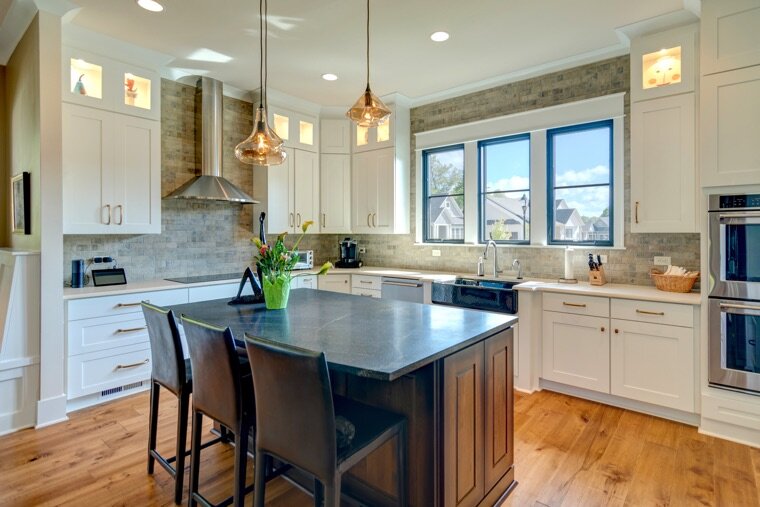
(569, 452)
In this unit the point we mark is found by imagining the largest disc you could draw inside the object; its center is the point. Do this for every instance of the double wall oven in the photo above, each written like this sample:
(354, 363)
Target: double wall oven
(734, 299)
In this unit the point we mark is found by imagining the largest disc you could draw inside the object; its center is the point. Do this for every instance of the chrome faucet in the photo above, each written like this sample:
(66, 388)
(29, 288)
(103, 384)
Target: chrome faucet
(517, 267)
(496, 269)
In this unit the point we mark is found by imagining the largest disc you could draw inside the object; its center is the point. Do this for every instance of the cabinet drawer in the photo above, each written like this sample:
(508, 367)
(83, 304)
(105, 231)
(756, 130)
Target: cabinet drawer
(366, 282)
(106, 369)
(357, 291)
(307, 282)
(90, 335)
(122, 304)
(221, 291)
(650, 311)
(335, 283)
(580, 305)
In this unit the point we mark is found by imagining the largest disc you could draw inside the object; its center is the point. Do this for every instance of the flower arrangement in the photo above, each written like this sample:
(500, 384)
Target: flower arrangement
(276, 263)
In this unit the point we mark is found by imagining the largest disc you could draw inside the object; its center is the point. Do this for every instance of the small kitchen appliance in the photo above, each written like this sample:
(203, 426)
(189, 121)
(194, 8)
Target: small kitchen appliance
(77, 273)
(349, 254)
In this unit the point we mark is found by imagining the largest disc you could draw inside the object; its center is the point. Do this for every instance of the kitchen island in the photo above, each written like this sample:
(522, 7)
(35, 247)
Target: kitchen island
(448, 370)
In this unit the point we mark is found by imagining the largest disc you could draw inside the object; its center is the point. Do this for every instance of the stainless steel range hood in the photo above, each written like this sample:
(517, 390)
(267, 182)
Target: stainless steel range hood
(210, 186)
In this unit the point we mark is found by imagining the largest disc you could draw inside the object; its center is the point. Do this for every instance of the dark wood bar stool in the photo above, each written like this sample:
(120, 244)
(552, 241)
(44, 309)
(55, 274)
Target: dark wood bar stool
(295, 421)
(222, 390)
(169, 370)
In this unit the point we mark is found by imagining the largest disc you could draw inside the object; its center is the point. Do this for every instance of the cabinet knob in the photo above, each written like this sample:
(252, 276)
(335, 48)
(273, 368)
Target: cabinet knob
(617, 331)
(602, 329)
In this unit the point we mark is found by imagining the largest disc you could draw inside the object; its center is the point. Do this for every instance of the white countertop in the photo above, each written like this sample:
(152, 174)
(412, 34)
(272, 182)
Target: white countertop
(641, 292)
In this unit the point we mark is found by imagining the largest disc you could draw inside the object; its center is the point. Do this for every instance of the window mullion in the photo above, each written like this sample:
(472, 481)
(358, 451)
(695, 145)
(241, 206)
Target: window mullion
(538, 188)
(471, 198)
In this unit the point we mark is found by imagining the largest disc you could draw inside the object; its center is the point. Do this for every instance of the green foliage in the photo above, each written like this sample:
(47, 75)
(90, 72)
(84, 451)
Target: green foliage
(500, 232)
(277, 261)
(444, 179)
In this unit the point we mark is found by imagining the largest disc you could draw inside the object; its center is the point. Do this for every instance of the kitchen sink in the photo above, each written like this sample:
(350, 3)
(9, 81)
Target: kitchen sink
(491, 295)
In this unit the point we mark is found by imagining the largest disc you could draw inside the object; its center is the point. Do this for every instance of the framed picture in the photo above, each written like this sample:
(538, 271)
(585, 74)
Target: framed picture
(21, 207)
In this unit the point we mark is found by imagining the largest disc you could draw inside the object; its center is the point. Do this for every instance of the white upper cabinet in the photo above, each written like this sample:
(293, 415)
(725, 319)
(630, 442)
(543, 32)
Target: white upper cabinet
(730, 35)
(664, 63)
(103, 83)
(663, 164)
(335, 136)
(111, 173)
(373, 138)
(297, 130)
(729, 124)
(288, 193)
(335, 192)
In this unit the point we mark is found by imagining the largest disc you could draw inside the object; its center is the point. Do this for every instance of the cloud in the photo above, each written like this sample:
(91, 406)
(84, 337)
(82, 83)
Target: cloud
(511, 183)
(597, 174)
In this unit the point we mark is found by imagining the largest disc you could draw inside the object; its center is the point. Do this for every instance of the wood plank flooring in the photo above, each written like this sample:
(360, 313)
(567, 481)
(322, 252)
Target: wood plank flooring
(569, 452)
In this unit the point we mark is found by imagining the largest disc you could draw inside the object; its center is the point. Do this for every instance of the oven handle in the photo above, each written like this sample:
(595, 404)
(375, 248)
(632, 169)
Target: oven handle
(725, 217)
(736, 306)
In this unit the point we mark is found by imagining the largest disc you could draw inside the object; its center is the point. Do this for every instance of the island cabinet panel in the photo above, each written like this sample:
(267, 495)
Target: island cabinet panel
(499, 435)
(463, 428)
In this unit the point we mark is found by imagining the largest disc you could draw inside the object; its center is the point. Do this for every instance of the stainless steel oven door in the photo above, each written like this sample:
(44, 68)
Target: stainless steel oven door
(734, 352)
(734, 254)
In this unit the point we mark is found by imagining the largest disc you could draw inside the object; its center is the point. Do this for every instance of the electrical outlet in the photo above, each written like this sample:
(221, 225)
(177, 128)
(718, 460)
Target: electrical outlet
(362, 250)
(604, 259)
(661, 261)
(436, 253)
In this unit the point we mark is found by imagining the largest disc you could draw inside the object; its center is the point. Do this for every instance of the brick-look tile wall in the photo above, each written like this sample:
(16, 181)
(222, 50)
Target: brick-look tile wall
(201, 238)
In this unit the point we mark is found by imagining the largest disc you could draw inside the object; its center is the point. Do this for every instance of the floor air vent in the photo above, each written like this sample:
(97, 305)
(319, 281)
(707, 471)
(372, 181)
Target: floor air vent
(120, 389)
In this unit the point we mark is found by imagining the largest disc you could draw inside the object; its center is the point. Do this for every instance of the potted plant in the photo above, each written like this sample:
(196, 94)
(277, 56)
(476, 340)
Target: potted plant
(276, 263)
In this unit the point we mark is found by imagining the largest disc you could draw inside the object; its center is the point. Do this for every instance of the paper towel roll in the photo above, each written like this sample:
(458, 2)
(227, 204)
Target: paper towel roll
(569, 252)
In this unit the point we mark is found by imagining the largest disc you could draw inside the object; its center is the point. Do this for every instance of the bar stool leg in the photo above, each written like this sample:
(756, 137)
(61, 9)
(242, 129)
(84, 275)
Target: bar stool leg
(155, 390)
(241, 458)
(179, 464)
(195, 457)
(259, 484)
(319, 493)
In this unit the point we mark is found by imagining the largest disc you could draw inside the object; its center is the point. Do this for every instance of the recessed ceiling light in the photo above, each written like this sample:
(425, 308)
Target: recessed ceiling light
(329, 77)
(439, 36)
(150, 5)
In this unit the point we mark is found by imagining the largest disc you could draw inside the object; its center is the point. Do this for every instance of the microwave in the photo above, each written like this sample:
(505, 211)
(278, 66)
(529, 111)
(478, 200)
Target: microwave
(305, 260)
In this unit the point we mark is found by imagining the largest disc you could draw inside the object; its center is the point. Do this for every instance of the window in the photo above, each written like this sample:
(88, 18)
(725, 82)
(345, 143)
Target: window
(443, 194)
(505, 189)
(580, 184)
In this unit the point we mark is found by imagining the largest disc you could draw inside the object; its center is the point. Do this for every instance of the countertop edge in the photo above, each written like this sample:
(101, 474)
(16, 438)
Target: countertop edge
(618, 291)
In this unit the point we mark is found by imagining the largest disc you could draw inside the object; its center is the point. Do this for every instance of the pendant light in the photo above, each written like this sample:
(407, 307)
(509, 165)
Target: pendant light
(263, 146)
(369, 110)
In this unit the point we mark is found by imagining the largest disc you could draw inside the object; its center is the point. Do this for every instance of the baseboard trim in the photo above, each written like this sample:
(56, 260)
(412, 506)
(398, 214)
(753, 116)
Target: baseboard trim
(51, 411)
(731, 432)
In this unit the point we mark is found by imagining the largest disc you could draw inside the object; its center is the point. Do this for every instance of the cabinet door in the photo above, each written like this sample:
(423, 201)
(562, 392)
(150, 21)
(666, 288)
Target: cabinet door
(335, 193)
(363, 191)
(306, 183)
(729, 123)
(279, 198)
(730, 38)
(87, 177)
(662, 162)
(576, 350)
(653, 363)
(385, 188)
(335, 136)
(499, 405)
(136, 202)
(463, 459)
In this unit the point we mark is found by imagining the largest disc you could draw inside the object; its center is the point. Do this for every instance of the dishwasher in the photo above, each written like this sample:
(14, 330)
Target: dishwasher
(402, 289)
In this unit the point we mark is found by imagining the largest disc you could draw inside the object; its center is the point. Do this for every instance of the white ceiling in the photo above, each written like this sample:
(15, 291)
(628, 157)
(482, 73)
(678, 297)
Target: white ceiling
(490, 40)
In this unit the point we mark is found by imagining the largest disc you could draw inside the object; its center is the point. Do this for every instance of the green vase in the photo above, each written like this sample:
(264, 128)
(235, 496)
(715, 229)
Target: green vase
(276, 294)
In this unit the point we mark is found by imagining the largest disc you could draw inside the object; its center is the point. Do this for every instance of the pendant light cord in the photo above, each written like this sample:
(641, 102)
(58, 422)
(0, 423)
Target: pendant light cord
(261, 53)
(266, 53)
(367, 44)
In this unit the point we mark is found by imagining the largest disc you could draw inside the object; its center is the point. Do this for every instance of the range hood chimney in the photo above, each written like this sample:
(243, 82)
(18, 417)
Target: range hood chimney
(210, 186)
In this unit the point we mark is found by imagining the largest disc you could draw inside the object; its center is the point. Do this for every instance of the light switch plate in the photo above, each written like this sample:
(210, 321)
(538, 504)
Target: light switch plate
(604, 259)
(436, 253)
(661, 261)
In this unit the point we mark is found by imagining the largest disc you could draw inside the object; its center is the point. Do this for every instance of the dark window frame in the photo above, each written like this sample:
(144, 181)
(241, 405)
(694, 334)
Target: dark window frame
(426, 197)
(550, 181)
(482, 193)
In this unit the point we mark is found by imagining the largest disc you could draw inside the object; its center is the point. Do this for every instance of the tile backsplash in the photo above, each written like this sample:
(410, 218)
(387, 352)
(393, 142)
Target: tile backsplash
(204, 238)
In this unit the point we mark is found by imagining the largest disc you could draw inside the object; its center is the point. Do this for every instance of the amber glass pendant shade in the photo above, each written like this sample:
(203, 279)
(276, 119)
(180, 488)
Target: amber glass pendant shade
(263, 146)
(369, 110)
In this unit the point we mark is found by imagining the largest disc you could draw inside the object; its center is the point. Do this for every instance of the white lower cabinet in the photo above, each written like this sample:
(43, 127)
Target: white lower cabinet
(653, 363)
(576, 350)
(304, 282)
(366, 292)
(335, 283)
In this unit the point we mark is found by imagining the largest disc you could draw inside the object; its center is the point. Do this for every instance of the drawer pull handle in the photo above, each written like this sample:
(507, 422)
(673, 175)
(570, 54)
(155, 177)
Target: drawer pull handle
(130, 330)
(647, 312)
(133, 365)
(127, 305)
(366, 295)
(637, 212)
(574, 305)
(365, 281)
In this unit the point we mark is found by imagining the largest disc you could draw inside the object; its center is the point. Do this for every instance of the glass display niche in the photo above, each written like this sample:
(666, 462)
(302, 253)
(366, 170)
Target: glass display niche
(136, 91)
(86, 78)
(661, 68)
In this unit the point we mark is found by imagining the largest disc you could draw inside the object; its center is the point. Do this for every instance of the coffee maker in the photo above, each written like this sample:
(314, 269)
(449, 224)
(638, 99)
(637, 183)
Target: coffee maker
(349, 254)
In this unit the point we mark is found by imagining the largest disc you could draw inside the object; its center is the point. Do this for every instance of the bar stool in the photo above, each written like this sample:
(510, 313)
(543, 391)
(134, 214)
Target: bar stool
(172, 371)
(222, 390)
(295, 421)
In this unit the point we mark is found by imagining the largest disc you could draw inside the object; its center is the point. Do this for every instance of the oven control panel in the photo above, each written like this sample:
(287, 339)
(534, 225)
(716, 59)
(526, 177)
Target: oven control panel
(738, 201)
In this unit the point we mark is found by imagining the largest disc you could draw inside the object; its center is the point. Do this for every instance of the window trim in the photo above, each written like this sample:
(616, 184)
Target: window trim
(482, 195)
(550, 181)
(426, 196)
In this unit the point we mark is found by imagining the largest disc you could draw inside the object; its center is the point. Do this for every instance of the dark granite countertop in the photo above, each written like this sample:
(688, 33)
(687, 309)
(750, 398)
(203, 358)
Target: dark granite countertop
(363, 336)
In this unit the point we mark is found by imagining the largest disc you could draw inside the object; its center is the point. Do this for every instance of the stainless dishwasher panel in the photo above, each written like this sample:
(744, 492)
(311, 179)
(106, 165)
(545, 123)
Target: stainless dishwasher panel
(403, 289)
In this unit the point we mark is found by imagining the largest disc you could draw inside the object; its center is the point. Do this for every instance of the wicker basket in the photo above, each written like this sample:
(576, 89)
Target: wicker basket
(674, 283)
